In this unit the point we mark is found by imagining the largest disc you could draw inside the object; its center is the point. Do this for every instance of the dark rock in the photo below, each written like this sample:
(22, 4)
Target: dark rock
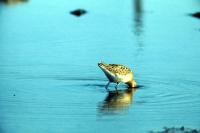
(194, 131)
(13, 1)
(182, 128)
(13, 94)
(177, 130)
(78, 12)
(196, 15)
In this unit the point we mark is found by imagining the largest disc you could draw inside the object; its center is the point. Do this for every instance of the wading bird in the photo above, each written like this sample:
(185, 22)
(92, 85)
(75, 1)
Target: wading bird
(117, 73)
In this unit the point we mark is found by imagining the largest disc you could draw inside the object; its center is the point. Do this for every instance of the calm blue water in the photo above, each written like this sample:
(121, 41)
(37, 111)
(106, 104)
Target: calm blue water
(50, 81)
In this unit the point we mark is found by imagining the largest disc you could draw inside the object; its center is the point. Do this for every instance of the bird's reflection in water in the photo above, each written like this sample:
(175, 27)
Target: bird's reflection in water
(116, 101)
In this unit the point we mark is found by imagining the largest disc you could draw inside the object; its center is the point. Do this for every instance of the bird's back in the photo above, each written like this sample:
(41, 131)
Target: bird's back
(118, 69)
(116, 72)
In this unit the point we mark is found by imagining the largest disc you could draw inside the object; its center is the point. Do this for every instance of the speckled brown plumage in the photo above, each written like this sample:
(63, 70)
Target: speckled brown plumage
(118, 69)
(117, 73)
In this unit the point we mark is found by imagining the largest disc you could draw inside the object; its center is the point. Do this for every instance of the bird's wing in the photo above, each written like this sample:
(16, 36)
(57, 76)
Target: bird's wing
(119, 69)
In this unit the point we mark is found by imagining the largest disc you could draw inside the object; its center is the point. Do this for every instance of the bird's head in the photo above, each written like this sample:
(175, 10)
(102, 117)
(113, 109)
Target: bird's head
(132, 84)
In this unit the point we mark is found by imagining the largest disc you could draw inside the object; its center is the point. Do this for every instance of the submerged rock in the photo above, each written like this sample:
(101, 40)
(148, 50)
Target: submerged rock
(78, 12)
(196, 15)
(177, 130)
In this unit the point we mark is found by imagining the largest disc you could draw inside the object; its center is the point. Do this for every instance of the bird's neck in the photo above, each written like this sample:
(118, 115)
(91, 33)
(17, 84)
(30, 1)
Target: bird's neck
(132, 84)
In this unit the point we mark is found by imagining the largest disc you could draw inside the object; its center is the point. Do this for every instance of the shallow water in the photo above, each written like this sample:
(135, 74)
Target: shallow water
(50, 81)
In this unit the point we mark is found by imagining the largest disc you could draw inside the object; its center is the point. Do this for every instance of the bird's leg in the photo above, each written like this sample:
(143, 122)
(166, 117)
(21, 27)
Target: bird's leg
(107, 85)
(116, 86)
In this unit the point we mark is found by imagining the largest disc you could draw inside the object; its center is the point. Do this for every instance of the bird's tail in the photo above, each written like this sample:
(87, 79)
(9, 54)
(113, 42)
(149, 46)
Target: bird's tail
(101, 63)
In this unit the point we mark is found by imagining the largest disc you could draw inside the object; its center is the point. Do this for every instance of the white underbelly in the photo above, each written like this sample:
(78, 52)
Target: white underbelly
(124, 78)
(117, 78)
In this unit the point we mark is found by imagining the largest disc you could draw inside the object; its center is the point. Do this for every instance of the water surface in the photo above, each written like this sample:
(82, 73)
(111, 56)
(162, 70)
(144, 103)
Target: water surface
(50, 81)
